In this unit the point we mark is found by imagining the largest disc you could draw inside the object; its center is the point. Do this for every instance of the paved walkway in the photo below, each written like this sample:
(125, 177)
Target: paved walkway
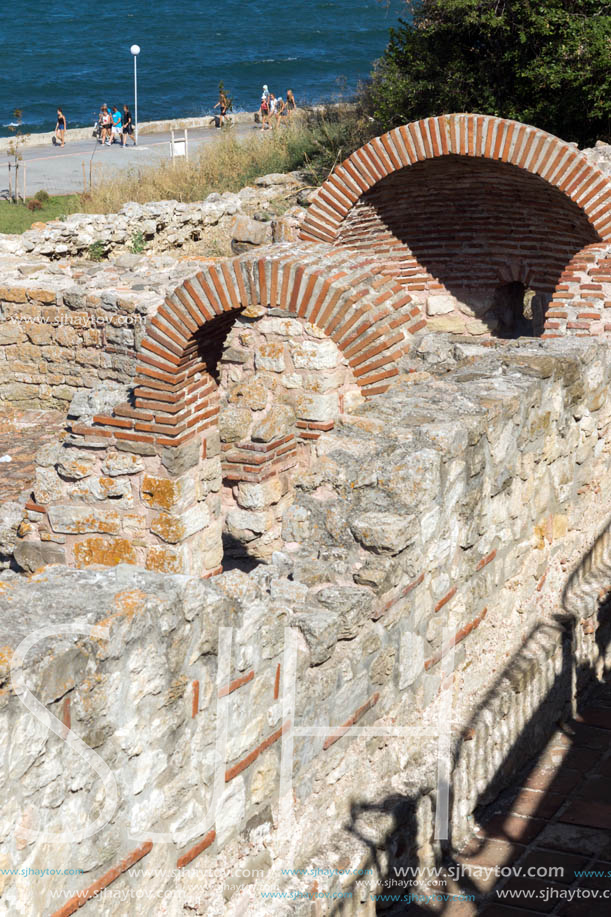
(558, 814)
(65, 170)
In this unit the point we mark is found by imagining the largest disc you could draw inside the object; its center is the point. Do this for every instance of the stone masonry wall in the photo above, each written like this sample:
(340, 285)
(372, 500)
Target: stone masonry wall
(444, 514)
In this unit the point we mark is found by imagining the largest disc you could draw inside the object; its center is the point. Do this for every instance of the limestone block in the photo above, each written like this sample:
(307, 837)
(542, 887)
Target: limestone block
(75, 464)
(254, 392)
(384, 533)
(118, 463)
(321, 354)
(259, 496)
(320, 627)
(353, 605)
(11, 334)
(120, 489)
(178, 459)
(234, 423)
(32, 555)
(440, 304)
(173, 529)
(72, 518)
(454, 324)
(286, 327)
(270, 356)
(165, 560)
(167, 494)
(106, 552)
(322, 408)
(246, 232)
(48, 487)
(277, 423)
(242, 523)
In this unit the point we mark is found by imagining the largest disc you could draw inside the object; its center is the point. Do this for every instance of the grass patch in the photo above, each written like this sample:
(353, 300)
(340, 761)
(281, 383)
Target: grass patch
(16, 218)
(313, 144)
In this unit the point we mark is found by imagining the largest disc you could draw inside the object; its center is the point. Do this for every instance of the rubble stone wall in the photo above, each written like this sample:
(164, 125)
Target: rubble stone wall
(343, 304)
(443, 516)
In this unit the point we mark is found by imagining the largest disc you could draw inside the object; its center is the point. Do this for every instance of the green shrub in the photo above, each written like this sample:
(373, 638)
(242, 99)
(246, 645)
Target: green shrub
(97, 251)
(42, 196)
(138, 243)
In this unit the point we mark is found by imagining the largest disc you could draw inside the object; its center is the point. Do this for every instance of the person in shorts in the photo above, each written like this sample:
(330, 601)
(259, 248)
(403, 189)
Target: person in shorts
(223, 105)
(116, 125)
(105, 122)
(60, 127)
(128, 127)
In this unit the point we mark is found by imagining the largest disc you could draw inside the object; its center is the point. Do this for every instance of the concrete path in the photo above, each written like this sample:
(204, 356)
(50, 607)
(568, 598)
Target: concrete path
(65, 170)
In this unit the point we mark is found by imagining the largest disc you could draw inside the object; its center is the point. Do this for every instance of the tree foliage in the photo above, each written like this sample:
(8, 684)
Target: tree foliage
(544, 62)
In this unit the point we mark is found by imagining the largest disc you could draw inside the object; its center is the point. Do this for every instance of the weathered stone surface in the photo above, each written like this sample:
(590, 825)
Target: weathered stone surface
(384, 532)
(32, 555)
(276, 424)
(79, 520)
(259, 496)
(234, 424)
(173, 529)
(321, 630)
(106, 552)
(322, 354)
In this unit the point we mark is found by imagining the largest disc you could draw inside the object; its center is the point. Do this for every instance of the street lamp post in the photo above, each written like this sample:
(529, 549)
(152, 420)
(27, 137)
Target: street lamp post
(135, 50)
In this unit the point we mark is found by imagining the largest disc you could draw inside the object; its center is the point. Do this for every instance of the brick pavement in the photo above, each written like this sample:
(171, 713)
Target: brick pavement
(22, 433)
(556, 814)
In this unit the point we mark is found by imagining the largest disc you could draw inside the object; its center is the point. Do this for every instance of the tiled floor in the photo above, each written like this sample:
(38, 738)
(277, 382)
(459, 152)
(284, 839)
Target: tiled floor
(558, 814)
(22, 433)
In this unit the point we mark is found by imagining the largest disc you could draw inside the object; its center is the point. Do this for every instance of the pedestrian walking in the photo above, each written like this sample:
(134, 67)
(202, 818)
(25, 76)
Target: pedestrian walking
(291, 104)
(127, 129)
(60, 127)
(116, 134)
(264, 108)
(223, 104)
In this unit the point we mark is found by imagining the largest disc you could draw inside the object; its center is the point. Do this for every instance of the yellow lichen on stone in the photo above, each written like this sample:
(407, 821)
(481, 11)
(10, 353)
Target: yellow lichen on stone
(107, 552)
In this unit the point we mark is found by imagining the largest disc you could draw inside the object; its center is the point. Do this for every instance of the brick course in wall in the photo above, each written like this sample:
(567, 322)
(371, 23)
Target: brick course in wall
(581, 304)
(466, 204)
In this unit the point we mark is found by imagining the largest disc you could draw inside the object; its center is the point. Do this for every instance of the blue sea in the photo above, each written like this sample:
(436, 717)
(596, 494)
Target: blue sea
(75, 54)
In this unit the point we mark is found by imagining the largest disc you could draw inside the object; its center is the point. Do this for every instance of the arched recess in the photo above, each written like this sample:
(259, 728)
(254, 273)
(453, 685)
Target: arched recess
(159, 454)
(465, 204)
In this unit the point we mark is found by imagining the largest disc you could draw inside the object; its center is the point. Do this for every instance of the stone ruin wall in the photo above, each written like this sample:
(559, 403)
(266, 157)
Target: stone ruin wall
(412, 496)
(442, 516)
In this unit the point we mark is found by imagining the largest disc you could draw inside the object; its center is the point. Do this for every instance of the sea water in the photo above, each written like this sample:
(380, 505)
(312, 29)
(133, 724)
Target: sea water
(76, 54)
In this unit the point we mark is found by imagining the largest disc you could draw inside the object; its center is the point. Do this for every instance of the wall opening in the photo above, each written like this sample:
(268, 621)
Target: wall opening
(468, 226)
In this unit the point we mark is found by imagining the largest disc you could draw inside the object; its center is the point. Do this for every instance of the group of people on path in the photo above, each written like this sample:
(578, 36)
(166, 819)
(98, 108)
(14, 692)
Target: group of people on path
(114, 126)
(273, 108)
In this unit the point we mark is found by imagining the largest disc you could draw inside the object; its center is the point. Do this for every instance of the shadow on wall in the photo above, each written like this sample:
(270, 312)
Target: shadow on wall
(478, 228)
(571, 841)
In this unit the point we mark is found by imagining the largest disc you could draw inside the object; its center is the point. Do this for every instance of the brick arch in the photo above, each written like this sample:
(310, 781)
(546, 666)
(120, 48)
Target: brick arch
(466, 135)
(356, 300)
(157, 457)
(581, 304)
